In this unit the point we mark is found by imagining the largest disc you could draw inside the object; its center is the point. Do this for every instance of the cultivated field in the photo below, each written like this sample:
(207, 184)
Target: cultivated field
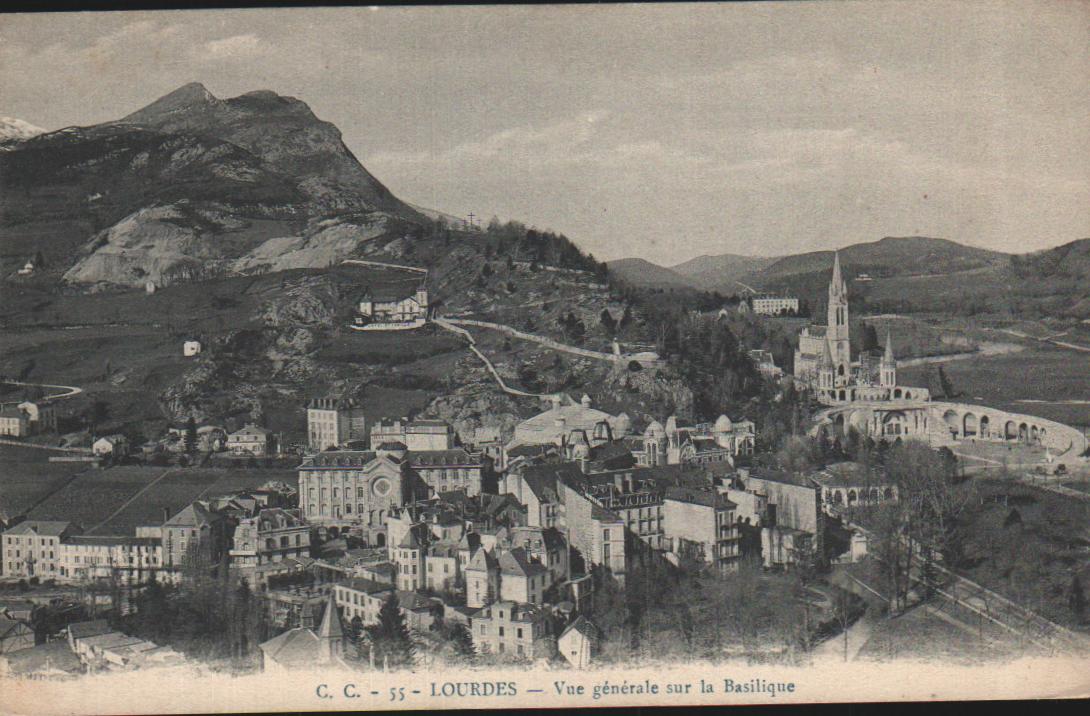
(119, 499)
(27, 478)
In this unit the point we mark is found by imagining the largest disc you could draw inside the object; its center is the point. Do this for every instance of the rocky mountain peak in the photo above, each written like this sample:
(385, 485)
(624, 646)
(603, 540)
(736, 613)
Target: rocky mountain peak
(188, 97)
(16, 130)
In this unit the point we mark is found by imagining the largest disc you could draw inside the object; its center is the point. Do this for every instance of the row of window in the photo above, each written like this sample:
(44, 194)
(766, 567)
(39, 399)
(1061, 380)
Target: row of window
(17, 540)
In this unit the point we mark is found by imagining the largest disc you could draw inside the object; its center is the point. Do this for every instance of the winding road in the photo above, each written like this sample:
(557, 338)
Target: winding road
(68, 391)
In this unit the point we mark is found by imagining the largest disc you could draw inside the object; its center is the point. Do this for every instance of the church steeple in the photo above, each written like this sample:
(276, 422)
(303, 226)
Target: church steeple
(887, 370)
(330, 633)
(838, 328)
(837, 285)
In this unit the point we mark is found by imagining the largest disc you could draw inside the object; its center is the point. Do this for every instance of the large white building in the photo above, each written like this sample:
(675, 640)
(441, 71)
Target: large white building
(774, 305)
(332, 422)
(392, 308)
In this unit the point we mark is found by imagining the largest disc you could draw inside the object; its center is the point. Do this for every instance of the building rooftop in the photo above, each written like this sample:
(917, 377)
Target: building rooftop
(458, 457)
(516, 562)
(82, 630)
(45, 528)
(54, 657)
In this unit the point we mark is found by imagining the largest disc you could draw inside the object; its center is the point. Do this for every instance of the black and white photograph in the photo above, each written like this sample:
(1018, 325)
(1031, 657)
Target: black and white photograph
(504, 356)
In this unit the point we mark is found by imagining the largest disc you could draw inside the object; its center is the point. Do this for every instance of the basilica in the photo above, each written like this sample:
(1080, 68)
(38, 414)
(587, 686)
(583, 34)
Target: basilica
(823, 358)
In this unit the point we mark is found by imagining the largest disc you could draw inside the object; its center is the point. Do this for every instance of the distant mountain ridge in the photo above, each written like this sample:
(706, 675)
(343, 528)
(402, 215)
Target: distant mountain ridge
(890, 256)
(645, 274)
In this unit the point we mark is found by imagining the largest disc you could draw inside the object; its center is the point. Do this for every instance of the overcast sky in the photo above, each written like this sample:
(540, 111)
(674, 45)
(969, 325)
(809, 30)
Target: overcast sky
(664, 132)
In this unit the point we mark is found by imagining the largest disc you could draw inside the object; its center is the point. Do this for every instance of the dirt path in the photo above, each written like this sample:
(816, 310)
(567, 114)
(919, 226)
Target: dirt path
(68, 390)
(988, 348)
(443, 323)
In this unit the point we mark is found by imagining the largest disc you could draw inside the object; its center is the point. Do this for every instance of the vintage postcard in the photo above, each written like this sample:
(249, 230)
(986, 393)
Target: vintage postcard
(508, 356)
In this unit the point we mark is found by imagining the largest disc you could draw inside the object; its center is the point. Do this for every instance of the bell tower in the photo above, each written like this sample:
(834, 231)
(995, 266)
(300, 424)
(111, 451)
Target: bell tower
(837, 324)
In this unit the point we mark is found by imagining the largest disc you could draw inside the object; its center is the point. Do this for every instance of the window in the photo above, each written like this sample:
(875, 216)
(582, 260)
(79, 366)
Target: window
(519, 632)
(501, 631)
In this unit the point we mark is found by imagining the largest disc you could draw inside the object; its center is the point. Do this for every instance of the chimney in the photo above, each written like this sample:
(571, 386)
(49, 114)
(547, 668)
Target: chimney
(166, 514)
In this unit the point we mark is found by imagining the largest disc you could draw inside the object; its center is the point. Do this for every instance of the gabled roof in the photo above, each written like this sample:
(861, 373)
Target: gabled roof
(85, 629)
(390, 292)
(253, 430)
(295, 647)
(583, 626)
(54, 656)
(44, 528)
(515, 562)
(193, 515)
(10, 628)
(481, 561)
(455, 456)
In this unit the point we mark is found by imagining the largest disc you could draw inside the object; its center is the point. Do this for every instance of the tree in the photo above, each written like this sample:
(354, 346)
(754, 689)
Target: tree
(100, 412)
(1078, 599)
(463, 642)
(608, 323)
(191, 435)
(870, 338)
(390, 637)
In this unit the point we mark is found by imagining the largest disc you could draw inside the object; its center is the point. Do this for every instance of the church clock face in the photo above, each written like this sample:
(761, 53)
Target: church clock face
(381, 487)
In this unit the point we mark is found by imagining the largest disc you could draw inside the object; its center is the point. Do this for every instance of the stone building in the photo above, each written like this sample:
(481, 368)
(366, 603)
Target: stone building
(273, 535)
(86, 558)
(392, 307)
(415, 435)
(251, 440)
(683, 443)
(700, 525)
(333, 422)
(449, 470)
(32, 548)
(518, 631)
(823, 358)
(353, 487)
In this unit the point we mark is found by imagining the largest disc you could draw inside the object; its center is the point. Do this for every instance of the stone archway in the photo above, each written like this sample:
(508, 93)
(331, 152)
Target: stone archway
(1023, 432)
(896, 392)
(985, 426)
(1035, 434)
(1010, 430)
(852, 497)
(953, 423)
(380, 540)
(969, 426)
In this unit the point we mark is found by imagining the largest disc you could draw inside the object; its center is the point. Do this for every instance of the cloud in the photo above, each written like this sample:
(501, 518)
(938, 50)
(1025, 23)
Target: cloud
(231, 47)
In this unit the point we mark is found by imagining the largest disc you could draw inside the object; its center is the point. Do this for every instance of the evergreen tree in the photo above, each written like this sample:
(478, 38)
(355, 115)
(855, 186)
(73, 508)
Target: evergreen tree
(1078, 599)
(191, 435)
(608, 322)
(462, 641)
(390, 637)
(870, 338)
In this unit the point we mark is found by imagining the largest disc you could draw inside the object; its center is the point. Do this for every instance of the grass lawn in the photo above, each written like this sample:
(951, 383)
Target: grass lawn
(1040, 381)
(921, 635)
